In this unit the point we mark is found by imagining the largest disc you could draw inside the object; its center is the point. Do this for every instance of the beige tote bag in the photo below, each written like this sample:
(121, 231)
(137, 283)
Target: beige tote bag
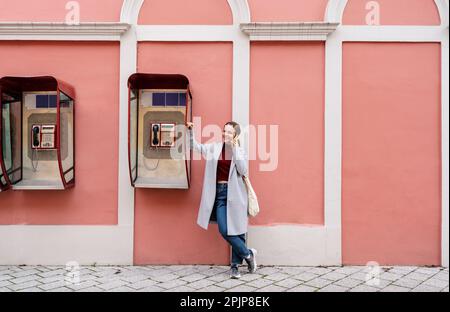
(253, 206)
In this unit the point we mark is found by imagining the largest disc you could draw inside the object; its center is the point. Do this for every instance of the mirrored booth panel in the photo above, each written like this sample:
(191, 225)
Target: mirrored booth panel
(38, 134)
(159, 107)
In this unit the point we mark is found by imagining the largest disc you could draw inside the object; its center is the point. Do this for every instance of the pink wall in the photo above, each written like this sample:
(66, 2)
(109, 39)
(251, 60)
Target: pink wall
(55, 10)
(165, 220)
(398, 12)
(93, 69)
(287, 10)
(178, 12)
(287, 89)
(391, 209)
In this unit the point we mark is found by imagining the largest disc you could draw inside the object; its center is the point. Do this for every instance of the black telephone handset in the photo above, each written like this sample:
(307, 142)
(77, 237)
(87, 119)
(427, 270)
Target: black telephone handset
(36, 141)
(155, 129)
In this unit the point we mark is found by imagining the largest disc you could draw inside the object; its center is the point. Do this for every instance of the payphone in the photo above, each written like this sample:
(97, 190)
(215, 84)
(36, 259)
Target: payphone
(159, 106)
(37, 134)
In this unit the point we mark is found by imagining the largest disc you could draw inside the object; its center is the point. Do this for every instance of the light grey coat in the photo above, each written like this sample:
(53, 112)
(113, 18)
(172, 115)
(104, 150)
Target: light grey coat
(237, 205)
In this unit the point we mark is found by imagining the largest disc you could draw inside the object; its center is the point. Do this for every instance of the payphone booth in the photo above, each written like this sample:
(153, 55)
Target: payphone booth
(159, 106)
(36, 134)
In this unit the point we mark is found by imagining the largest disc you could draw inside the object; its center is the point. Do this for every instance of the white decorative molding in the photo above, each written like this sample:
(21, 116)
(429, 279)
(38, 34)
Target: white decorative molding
(62, 31)
(296, 245)
(335, 11)
(442, 6)
(186, 33)
(130, 11)
(290, 31)
(59, 244)
(240, 10)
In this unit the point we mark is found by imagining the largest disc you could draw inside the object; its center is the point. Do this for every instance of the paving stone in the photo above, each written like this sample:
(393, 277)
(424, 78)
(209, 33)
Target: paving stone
(302, 288)
(333, 276)
(56, 272)
(165, 277)
(293, 270)
(277, 276)
(318, 282)
(390, 276)
(212, 288)
(320, 270)
(407, 282)
(378, 283)
(4, 289)
(349, 270)
(307, 276)
(364, 288)
(393, 288)
(172, 284)
(5, 283)
(213, 271)
(333, 288)
(229, 283)
(51, 279)
(5, 277)
(401, 270)
(288, 283)
(426, 288)
(183, 288)
(267, 270)
(111, 285)
(260, 283)
(348, 282)
(445, 289)
(143, 284)
(153, 288)
(434, 282)
(82, 285)
(201, 284)
(193, 277)
(51, 286)
(428, 271)
(271, 288)
(442, 276)
(241, 288)
(91, 289)
(124, 288)
(25, 272)
(31, 290)
(417, 276)
(250, 277)
(25, 285)
(20, 280)
(61, 289)
(361, 276)
(219, 277)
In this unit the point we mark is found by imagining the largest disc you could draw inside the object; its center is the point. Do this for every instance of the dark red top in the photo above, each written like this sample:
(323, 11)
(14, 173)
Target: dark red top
(223, 164)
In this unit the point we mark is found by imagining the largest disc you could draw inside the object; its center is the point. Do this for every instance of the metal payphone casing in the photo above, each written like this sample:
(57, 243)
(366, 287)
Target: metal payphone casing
(37, 137)
(159, 106)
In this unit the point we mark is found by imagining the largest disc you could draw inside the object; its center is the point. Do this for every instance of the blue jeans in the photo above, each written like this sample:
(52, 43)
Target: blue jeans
(237, 242)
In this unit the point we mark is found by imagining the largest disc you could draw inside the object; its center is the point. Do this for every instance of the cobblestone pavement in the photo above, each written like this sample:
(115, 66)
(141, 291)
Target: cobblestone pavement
(188, 278)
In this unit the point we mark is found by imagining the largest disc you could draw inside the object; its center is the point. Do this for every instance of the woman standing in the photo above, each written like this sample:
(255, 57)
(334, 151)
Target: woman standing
(224, 196)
